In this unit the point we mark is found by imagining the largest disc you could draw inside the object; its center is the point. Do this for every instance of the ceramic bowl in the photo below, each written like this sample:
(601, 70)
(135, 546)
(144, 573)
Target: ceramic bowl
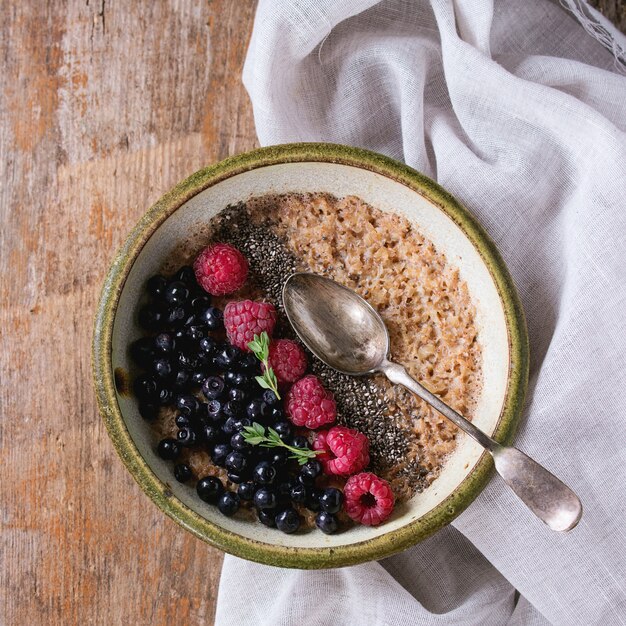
(390, 186)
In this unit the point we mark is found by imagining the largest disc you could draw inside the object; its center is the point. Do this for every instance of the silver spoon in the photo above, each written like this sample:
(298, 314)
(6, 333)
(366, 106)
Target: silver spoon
(347, 334)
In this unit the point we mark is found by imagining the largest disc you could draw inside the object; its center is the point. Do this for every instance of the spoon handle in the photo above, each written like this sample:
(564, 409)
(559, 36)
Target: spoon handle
(551, 500)
(397, 374)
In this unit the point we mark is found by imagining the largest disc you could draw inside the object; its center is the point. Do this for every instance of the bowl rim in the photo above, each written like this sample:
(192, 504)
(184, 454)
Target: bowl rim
(160, 492)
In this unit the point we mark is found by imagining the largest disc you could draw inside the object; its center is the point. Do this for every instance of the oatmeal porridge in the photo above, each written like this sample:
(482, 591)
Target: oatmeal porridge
(423, 301)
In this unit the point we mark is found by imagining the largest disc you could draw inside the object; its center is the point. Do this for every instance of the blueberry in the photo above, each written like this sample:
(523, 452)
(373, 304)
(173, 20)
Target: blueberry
(236, 461)
(146, 388)
(198, 377)
(300, 441)
(186, 275)
(165, 343)
(312, 469)
(182, 343)
(299, 493)
(326, 522)
(312, 501)
(219, 453)
(205, 360)
(227, 357)
(288, 521)
(180, 378)
(331, 500)
(168, 449)
(142, 351)
(176, 292)
(258, 410)
(283, 429)
(267, 517)
(186, 436)
(237, 394)
(209, 489)
(201, 303)
(250, 384)
(214, 409)
(156, 285)
(241, 423)
(189, 361)
(249, 364)
(175, 316)
(229, 427)
(269, 397)
(209, 434)
(235, 379)
(277, 414)
(182, 472)
(195, 332)
(265, 498)
(232, 408)
(264, 473)
(181, 420)
(207, 345)
(165, 396)
(246, 491)
(278, 458)
(148, 410)
(284, 488)
(187, 404)
(162, 368)
(213, 387)
(211, 317)
(238, 442)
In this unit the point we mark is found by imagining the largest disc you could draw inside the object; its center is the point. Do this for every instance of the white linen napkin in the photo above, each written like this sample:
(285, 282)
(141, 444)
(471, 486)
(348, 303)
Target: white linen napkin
(519, 113)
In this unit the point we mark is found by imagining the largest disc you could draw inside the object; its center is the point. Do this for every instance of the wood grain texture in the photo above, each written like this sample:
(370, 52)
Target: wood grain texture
(105, 106)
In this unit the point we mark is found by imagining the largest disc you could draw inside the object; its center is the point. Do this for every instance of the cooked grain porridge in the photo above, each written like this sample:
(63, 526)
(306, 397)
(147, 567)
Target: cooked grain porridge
(424, 303)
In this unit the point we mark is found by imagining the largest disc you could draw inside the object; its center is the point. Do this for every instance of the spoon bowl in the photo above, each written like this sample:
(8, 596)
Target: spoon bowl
(321, 310)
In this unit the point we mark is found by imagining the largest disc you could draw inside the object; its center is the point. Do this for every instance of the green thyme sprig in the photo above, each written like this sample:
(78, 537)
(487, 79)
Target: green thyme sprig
(257, 435)
(260, 347)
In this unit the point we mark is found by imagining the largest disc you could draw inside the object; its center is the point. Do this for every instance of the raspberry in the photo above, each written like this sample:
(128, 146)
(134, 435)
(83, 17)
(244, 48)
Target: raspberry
(346, 451)
(246, 318)
(368, 499)
(309, 404)
(288, 360)
(221, 269)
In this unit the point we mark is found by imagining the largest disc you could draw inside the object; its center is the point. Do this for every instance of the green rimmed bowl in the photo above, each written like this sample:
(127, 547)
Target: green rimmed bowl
(389, 186)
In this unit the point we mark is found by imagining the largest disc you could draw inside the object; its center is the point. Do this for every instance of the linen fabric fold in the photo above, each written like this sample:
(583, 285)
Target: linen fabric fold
(520, 113)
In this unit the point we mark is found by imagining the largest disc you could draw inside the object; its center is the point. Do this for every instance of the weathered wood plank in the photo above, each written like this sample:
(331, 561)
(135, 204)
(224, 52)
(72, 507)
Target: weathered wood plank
(105, 106)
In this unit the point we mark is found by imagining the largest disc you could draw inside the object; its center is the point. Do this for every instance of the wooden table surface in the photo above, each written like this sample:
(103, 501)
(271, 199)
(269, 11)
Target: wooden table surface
(104, 106)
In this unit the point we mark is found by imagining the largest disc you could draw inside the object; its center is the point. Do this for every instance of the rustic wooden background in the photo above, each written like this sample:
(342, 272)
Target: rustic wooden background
(103, 107)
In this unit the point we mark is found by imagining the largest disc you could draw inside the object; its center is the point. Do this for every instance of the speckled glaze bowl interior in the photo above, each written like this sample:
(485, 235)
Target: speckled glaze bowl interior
(389, 186)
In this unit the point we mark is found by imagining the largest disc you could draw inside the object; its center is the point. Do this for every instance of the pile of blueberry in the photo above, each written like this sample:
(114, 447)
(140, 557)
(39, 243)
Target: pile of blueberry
(185, 353)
